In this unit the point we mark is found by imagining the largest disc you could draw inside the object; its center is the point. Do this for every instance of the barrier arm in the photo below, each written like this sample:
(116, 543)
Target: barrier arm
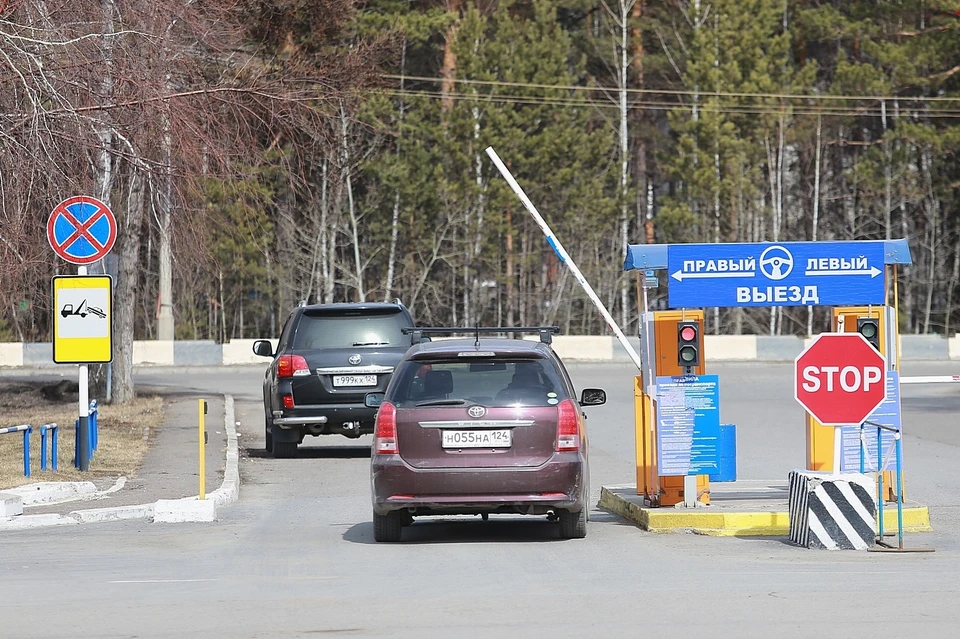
(564, 257)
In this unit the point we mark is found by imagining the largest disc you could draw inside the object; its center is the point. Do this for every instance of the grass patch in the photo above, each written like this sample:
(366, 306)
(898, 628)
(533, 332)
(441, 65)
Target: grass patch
(120, 446)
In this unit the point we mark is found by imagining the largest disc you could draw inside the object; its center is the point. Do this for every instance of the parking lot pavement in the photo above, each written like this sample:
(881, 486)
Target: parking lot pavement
(295, 556)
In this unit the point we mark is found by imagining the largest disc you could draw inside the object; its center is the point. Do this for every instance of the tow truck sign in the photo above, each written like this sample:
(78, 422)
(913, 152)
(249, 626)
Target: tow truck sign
(82, 319)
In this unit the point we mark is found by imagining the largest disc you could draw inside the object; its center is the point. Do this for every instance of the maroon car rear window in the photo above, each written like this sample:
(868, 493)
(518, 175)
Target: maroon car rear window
(488, 382)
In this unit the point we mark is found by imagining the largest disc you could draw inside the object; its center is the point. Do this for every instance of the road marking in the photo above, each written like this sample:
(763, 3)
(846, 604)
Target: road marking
(157, 581)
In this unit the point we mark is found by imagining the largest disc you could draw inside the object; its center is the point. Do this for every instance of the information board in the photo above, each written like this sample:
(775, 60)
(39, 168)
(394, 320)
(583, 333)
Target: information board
(688, 425)
(887, 414)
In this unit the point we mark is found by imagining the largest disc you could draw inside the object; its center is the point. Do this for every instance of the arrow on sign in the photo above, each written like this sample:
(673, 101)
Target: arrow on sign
(680, 275)
(873, 271)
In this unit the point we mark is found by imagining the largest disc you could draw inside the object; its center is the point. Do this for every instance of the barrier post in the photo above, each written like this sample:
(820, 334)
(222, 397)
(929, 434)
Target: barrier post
(43, 448)
(896, 437)
(880, 480)
(26, 450)
(54, 448)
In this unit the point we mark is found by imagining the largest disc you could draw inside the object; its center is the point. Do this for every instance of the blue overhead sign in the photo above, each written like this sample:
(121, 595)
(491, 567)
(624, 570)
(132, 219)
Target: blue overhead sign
(781, 274)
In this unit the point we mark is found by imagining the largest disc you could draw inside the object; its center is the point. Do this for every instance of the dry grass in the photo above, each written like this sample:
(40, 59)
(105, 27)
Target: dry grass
(120, 446)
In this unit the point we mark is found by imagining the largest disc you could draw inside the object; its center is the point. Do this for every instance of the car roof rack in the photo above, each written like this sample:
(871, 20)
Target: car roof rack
(546, 333)
(301, 303)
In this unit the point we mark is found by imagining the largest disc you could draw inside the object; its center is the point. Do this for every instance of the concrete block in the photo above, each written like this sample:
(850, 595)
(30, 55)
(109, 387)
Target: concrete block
(619, 352)
(153, 352)
(720, 348)
(114, 513)
(954, 346)
(240, 351)
(38, 354)
(779, 348)
(49, 492)
(919, 347)
(11, 354)
(834, 512)
(197, 353)
(584, 347)
(178, 511)
(36, 521)
(10, 505)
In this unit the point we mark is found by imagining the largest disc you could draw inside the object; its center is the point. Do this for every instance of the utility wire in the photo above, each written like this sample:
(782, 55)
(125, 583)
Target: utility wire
(688, 93)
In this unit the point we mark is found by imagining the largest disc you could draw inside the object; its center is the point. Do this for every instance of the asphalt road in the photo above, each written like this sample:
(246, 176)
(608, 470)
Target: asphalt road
(296, 558)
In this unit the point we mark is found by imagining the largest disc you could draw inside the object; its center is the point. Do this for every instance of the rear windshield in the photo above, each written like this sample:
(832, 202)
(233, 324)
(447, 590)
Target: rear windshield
(350, 331)
(490, 383)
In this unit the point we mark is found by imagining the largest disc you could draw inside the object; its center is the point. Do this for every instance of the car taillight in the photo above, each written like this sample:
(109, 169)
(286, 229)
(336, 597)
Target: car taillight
(288, 401)
(568, 426)
(385, 437)
(292, 366)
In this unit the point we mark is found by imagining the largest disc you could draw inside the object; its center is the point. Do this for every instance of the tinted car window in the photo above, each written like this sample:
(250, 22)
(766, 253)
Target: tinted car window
(499, 383)
(318, 331)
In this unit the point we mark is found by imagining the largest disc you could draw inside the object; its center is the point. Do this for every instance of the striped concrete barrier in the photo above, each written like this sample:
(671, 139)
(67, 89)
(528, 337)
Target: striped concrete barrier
(572, 348)
(833, 512)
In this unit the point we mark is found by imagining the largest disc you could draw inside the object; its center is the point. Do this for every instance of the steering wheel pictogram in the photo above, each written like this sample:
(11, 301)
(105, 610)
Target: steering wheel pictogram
(81, 230)
(776, 262)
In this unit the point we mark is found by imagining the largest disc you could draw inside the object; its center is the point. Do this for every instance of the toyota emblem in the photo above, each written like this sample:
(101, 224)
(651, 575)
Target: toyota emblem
(354, 359)
(476, 411)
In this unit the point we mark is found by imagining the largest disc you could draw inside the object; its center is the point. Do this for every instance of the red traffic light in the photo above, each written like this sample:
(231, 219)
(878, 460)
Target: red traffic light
(688, 333)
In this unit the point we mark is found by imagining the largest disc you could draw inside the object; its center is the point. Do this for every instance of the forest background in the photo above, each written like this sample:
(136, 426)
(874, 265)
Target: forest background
(261, 152)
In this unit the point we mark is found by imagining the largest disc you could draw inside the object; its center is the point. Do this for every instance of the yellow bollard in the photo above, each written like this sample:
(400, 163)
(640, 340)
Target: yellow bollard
(202, 449)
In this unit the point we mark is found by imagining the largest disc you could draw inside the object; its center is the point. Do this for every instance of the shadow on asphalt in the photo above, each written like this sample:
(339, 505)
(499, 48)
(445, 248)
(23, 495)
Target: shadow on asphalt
(316, 452)
(431, 530)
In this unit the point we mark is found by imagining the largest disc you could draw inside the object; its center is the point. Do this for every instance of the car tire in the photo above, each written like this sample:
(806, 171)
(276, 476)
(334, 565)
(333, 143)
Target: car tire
(573, 525)
(284, 450)
(267, 437)
(387, 527)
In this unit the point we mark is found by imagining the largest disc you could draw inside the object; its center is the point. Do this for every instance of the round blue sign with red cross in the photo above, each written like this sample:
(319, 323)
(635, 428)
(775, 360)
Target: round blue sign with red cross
(81, 230)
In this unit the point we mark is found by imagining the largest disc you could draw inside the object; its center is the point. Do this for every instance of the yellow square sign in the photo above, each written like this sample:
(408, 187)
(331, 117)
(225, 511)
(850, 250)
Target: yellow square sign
(82, 319)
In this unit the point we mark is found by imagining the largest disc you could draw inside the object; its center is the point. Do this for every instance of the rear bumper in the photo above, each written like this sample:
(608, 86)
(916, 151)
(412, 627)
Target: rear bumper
(558, 483)
(325, 420)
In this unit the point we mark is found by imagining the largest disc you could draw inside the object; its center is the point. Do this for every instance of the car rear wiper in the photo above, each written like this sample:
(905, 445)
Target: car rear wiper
(442, 402)
(370, 343)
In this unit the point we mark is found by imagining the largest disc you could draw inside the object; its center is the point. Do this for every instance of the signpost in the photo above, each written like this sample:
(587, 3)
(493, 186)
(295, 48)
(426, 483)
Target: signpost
(784, 274)
(688, 425)
(82, 230)
(840, 380)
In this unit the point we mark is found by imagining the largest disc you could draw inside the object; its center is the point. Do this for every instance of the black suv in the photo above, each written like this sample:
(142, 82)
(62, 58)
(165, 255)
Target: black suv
(328, 358)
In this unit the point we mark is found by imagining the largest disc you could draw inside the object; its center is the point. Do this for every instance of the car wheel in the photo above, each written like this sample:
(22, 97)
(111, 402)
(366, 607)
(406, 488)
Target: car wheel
(267, 437)
(284, 450)
(387, 527)
(573, 525)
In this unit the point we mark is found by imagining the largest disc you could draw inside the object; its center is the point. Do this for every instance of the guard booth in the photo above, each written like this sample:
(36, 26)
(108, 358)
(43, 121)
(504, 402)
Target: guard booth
(835, 274)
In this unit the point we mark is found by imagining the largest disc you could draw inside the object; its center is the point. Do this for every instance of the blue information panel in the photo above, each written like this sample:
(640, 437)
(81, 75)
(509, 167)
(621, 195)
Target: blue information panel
(888, 414)
(784, 274)
(688, 425)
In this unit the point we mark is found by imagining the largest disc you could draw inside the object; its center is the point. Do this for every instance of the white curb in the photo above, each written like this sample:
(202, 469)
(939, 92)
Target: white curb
(21, 522)
(115, 513)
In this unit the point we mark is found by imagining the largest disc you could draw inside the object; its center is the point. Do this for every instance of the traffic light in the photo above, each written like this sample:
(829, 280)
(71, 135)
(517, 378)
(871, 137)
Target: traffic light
(869, 327)
(688, 344)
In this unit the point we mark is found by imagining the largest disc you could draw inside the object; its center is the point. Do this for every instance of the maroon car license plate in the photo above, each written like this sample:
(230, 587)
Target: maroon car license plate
(500, 438)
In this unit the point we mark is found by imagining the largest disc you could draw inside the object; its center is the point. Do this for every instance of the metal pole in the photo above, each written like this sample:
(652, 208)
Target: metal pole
(880, 479)
(863, 461)
(564, 257)
(837, 449)
(896, 437)
(83, 452)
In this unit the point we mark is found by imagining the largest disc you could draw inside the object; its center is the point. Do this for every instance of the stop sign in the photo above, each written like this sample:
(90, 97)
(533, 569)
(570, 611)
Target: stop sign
(840, 378)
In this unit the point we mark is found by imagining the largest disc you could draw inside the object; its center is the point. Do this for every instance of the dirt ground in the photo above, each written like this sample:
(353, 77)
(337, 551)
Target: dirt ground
(124, 433)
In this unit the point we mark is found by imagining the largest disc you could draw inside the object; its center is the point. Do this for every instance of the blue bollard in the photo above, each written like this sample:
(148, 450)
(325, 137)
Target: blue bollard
(54, 448)
(76, 444)
(43, 448)
(26, 451)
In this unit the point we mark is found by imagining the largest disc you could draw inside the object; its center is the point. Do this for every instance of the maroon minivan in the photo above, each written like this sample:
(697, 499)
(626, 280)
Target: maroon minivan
(477, 427)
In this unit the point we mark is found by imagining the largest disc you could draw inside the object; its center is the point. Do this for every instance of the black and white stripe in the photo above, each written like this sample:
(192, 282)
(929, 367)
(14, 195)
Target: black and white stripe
(836, 512)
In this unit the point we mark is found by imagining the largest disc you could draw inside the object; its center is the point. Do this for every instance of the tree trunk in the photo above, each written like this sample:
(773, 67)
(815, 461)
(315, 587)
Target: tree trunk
(128, 283)
(816, 210)
(449, 70)
(509, 278)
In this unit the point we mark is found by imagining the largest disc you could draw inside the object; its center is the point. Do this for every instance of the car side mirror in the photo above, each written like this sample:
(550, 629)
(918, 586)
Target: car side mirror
(263, 348)
(373, 400)
(593, 397)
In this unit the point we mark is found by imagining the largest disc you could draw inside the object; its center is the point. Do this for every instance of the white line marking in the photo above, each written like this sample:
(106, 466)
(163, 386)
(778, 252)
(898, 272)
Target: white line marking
(157, 581)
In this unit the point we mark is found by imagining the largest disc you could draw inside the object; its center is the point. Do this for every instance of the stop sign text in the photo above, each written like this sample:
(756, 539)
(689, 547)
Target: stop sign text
(850, 378)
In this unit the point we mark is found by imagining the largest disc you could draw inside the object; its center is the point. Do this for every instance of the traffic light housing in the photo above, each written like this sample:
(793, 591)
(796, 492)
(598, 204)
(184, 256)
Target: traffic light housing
(869, 327)
(688, 344)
